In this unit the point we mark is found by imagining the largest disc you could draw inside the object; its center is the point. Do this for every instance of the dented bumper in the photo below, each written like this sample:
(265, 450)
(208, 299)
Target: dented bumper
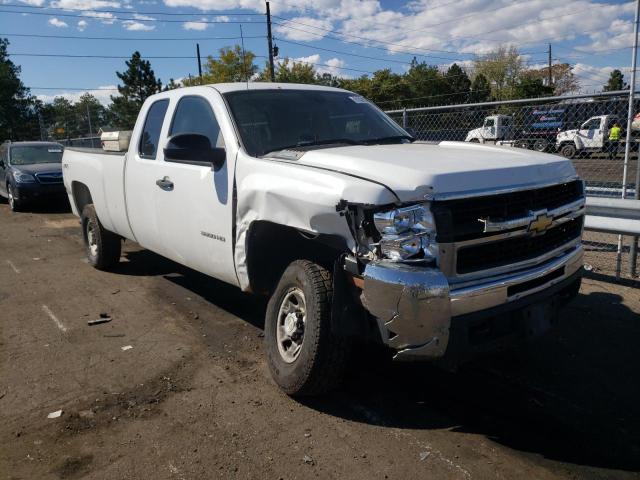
(415, 306)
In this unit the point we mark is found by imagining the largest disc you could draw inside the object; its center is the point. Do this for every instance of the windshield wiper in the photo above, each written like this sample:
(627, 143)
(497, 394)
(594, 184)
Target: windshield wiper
(312, 143)
(388, 139)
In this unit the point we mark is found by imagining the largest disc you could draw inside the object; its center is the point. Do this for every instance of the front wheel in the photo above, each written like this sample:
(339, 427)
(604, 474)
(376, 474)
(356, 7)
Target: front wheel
(14, 204)
(103, 247)
(568, 150)
(304, 356)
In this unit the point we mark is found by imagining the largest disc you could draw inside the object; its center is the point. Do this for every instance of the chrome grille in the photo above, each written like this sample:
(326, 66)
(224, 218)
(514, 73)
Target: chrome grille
(480, 237)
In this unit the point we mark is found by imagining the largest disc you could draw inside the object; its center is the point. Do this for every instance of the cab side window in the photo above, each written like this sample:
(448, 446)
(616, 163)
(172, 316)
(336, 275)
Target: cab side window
(194, 115)
(151, 132)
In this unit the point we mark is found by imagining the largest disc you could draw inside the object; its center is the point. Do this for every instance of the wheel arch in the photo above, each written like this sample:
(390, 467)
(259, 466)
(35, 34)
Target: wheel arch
(271, 247)
(81, 196)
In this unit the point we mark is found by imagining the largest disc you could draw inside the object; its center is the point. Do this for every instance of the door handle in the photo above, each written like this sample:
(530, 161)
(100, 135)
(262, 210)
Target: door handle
(165, 184)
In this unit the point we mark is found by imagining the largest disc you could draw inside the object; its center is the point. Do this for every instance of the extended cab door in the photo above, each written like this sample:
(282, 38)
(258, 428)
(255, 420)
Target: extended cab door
(142, 169)
(194, 203)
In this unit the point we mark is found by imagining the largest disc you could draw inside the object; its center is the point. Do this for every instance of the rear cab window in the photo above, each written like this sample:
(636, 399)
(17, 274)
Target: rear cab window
(150, 138)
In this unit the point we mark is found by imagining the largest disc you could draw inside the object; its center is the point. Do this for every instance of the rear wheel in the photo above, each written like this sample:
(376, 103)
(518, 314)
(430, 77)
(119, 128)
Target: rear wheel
(103, 247)
(541, 145)
(304, 356)
(568, 150)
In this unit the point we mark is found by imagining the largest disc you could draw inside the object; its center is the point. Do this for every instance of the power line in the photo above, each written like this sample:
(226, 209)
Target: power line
(97, 16)
(126, 12)
(63, 55)
(144, 39)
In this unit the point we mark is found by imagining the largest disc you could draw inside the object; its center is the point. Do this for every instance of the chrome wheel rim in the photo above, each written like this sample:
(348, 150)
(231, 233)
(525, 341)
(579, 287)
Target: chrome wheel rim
(292, 317)
(91, 240)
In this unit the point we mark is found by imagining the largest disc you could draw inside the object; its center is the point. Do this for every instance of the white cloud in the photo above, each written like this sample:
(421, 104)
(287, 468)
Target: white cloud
(82, 25)
(106, 17)
(85, 4)
(137, 26)
(332, 66)
(103, 94)
(594, 78)
(36, 3)
(201, 25)
(304, 28)
(57, 23)
(221, 18)
(139, 16)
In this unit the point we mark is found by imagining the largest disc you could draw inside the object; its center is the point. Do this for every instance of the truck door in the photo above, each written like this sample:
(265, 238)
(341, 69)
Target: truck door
(195, 204)
(142, 169)
(590, 132)
(489, 128)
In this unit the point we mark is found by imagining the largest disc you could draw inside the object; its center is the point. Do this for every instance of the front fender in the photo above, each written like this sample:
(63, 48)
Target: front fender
(293, 195)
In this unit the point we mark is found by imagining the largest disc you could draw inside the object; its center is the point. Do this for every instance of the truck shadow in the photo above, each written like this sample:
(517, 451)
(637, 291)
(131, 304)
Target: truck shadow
(571, 397)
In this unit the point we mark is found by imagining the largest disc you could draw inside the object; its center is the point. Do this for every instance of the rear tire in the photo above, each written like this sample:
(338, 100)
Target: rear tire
(568, 150)
(103, 247)
(541, 145)
(304, 356)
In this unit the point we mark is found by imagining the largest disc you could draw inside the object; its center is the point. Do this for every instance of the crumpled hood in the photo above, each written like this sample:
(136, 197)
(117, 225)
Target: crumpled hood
(416, 170)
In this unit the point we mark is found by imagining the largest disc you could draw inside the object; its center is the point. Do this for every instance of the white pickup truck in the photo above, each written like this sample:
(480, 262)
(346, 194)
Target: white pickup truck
(356, 232)
(591, 137)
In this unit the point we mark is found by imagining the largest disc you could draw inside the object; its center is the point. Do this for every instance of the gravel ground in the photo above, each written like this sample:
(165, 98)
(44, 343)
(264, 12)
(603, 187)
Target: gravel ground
(192, 397)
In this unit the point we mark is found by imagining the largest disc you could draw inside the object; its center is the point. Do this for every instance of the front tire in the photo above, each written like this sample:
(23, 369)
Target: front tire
(568, 150)
(304, 356)
(14, 204)
(103, 247)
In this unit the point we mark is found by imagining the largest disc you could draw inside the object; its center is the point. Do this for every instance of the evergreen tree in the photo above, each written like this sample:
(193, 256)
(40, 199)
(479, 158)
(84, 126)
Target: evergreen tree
(458, 84)
(18, 115)
(139, 82)
(480, 89)
(615, 82)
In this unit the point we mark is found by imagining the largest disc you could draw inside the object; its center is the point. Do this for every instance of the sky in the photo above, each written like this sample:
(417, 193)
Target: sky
(348, 38)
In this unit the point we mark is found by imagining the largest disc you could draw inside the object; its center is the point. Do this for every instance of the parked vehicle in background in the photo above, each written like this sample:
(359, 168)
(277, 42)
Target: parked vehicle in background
(313, 196)
(31, 172)
(536, 130)
(591, 137)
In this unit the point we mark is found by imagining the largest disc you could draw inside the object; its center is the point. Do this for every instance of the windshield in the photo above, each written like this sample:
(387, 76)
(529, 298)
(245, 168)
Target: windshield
(29, 154)
(271, 120)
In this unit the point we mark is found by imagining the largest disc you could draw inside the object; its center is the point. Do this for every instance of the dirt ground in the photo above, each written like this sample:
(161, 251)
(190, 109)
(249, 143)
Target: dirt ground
(192, 397)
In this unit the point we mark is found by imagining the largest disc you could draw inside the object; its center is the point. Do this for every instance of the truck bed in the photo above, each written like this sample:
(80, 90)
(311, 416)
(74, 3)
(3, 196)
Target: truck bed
(103, 174)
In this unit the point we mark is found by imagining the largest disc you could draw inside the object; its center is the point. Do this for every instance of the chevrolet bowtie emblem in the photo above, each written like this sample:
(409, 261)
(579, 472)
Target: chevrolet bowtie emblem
(541, 223)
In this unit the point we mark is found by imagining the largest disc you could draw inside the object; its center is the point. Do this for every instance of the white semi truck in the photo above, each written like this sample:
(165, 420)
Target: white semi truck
(314, 197)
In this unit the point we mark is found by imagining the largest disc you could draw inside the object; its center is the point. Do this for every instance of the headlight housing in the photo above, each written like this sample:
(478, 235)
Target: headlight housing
(407, 233)
(21, 177)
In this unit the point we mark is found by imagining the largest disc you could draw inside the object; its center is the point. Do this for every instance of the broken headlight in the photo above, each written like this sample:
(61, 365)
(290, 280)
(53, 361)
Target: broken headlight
(407, 233)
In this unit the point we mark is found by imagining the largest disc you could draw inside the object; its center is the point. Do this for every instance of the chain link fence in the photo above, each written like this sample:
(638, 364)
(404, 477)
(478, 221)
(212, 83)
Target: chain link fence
(580, 127)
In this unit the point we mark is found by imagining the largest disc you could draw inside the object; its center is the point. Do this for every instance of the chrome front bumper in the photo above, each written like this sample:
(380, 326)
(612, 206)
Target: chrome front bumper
(414, 306)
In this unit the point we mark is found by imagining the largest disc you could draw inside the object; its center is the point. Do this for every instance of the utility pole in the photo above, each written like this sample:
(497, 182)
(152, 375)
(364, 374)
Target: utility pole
(199, 62)
(550, 75)
(627, 143)
(90, 129)
(633, 254)
(272, 73)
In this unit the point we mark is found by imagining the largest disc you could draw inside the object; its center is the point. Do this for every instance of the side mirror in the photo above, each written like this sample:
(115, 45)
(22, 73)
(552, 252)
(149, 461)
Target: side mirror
(410, 131)
(194, 149)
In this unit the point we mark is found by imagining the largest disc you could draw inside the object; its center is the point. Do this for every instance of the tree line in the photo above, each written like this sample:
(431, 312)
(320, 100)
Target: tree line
(498, 75)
